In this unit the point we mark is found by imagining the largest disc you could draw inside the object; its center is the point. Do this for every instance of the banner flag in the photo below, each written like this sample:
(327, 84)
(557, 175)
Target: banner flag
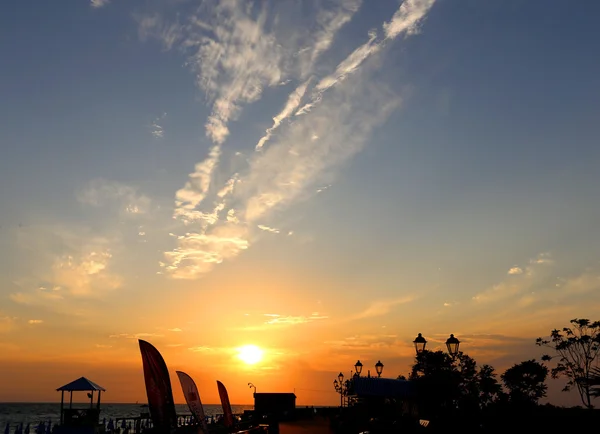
(158, 388)
(192, 397)
(227, 413)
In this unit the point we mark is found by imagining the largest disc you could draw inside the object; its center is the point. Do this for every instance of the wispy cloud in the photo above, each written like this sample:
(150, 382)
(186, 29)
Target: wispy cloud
(268, 229)
(330, 22)
(103, 346)
(35, 321)
(35, 297)
(383, 307)
(407, 18)
(79, 275)
(235, 51)
(66, 263)
(367, 343)
(99, 3)
(293, 320)
(101, 192)
(176, 330)
(522, 280)
(349, 65)
(135, 335)
(543, 258)
(198, 253)
(291, 105)
(196, 188)
(156, 129)
(236, 63)
(199, 349)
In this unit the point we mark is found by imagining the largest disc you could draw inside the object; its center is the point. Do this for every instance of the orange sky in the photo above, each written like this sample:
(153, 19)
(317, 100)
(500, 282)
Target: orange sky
(301, 352)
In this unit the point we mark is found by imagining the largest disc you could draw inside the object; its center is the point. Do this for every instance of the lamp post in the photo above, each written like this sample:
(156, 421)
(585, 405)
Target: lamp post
(250, 385)
(452, 344)
(340, 388)
(358, 367)
(379, 368)
(420, 343)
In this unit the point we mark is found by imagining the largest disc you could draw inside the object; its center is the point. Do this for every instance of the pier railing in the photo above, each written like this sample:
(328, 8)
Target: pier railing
(119, 425)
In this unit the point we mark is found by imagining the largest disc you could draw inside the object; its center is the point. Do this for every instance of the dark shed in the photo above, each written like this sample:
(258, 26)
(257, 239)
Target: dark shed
(274, 403)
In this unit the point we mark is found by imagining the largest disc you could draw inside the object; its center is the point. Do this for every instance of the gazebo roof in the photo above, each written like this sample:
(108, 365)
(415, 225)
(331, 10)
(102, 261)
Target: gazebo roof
(81, 385)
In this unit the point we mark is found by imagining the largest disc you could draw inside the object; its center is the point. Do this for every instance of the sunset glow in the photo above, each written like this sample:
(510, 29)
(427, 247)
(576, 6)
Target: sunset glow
(269, 191)
(250, 354)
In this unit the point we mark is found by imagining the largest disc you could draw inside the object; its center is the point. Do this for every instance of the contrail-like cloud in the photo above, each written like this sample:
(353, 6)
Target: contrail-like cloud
(235, 64)
(290, 106)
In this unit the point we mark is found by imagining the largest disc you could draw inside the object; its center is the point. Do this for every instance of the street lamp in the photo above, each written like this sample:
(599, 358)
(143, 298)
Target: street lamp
(420, 343)
(250, 385)
(379, 368)
(340, 388)
(452, 344)
(358, 367)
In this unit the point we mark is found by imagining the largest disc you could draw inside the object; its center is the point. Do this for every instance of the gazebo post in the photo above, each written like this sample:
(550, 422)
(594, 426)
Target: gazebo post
(81, 384)
(62, 401)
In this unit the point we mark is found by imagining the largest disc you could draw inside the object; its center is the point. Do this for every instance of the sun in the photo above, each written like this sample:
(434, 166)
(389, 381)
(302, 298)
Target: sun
(250, 354)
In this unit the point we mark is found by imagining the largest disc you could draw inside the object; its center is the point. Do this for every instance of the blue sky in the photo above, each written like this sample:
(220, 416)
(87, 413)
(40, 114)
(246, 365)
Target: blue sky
(427, 166)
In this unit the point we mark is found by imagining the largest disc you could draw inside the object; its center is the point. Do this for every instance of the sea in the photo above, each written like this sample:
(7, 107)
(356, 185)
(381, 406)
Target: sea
(34, 413)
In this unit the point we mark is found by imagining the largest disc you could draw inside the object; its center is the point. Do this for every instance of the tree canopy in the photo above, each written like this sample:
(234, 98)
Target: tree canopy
(525, 381)
(577, 349)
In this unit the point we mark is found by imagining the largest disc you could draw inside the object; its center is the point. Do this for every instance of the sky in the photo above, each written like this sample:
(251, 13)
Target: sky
(323, 179)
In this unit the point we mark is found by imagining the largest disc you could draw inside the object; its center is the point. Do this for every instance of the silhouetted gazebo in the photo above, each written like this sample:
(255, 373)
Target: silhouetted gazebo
(80, 417)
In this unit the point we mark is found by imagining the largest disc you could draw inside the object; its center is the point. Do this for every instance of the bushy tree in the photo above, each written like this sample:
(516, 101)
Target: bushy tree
(489, 388)
(526, 381)
(577, 349)
(451, 384)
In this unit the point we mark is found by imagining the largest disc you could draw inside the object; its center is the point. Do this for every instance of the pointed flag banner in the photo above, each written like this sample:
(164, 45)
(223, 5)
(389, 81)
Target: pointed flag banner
(227, 413)
(158, 388)
(192, 397)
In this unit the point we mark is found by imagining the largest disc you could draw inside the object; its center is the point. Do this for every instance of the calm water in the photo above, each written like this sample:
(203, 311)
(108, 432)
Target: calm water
(35, 413)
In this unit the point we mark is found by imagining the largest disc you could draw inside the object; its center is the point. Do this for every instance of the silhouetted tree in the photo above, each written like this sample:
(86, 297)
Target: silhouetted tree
(526, 382)
(594, 382)
(437, 381)
(577, 349)
(489, 387)
(450, 384)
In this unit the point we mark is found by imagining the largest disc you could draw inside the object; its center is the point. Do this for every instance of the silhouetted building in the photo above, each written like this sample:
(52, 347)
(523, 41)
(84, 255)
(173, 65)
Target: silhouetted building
(276, 404)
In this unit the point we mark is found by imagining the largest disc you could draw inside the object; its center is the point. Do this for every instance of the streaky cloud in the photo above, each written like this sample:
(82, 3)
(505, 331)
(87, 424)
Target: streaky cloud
(294, 100)
(197, 186)
(99, 3)
(344, 108)
(383, 307)
(331, 21)
(268, 229)
(407, 18)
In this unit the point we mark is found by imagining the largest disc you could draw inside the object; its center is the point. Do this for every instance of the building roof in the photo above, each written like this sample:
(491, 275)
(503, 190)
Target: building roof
(383, 387)
(80, 385)
(275, 394)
